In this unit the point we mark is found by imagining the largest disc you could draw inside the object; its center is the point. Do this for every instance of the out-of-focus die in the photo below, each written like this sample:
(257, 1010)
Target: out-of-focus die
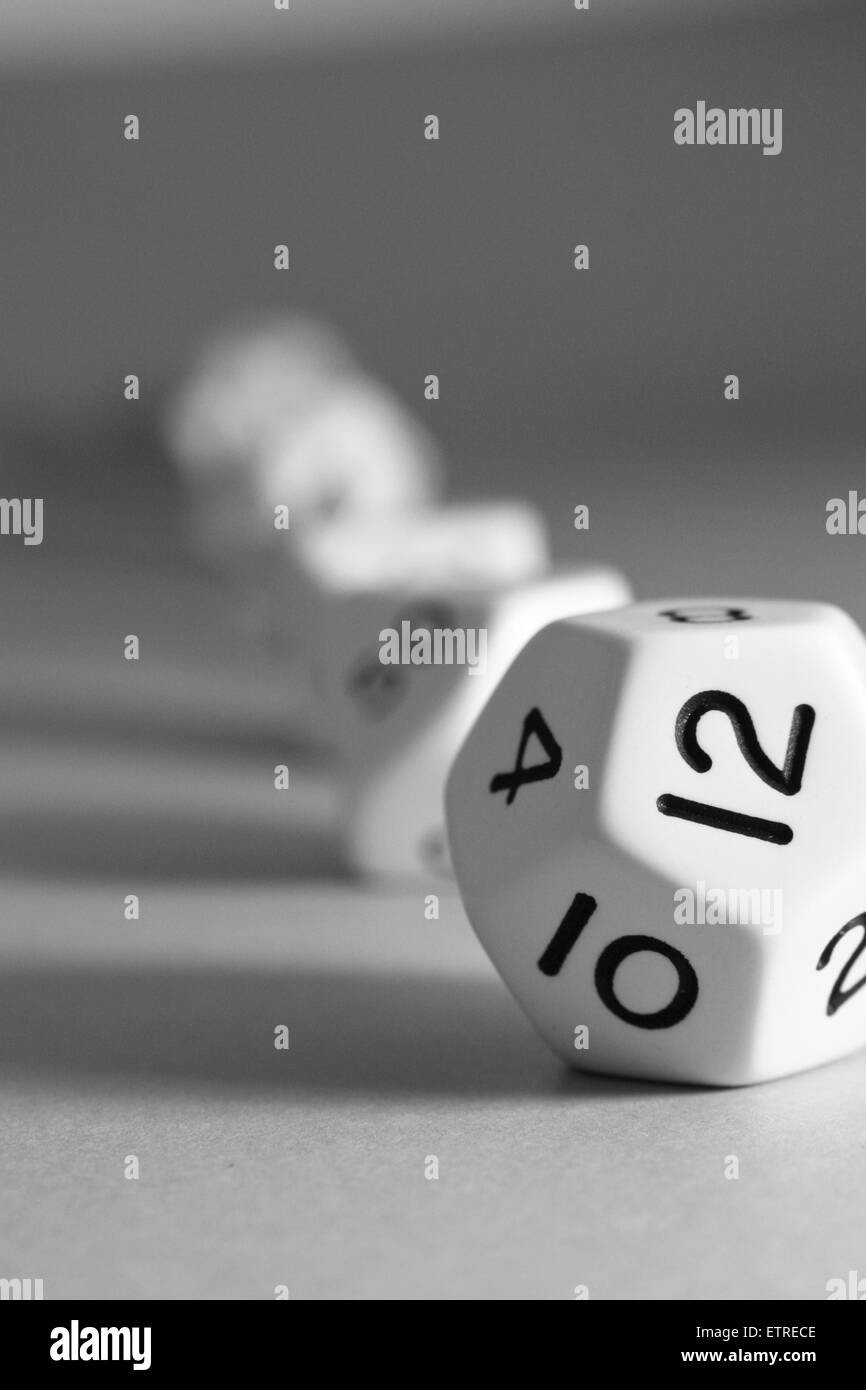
(657, 828)
(414, 632)
(246, 382)
(346, 577)
(360, 452)
(461, 547)
(278, 414)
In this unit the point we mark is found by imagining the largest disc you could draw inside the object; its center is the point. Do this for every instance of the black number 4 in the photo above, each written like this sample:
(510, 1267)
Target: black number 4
(534, 725)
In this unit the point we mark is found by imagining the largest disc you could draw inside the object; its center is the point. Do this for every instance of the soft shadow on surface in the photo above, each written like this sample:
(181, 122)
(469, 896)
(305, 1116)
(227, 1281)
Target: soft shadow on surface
(163, 847)
(364, 1035)
(105, 731)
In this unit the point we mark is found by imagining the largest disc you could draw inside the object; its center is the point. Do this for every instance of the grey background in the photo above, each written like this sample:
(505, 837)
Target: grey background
(606, 388)
(455, 257)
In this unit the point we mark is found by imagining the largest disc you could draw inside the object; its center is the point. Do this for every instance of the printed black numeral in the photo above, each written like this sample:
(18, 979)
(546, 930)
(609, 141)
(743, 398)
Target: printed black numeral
(838, 994)
(705, 614)
(687, 981)
(427, 615)
(433, 851)
(787, 779)
(534, 725)
(775, 832)
(377, 689)
(555, 954)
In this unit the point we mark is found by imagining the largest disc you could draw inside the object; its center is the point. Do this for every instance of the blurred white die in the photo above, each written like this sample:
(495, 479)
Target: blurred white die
(657, 829)
(358, 452)
(459, 547)
(246, 382)
(279, 414)
(404, 669)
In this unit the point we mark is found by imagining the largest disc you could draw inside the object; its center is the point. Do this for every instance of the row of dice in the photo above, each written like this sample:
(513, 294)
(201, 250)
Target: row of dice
(279, 415)
(653, 812)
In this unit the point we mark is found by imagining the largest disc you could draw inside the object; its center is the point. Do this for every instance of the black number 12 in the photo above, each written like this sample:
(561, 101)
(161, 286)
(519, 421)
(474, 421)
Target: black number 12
(786, 779)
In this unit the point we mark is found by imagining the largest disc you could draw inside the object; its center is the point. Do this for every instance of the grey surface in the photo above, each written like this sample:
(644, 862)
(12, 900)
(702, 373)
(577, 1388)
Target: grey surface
(306, 1167)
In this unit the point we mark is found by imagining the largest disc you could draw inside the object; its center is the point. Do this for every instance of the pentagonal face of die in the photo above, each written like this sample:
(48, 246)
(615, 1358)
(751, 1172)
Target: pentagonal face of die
(396, 814)
(741, 892)
(526, 782)
(377, 668)
(733, 772)
(589, 944)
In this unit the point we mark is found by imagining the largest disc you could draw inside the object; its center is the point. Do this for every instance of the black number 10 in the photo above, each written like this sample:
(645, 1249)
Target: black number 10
(556, 953)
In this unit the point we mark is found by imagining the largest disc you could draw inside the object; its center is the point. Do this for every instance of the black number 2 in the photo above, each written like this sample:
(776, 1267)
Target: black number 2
(787, 779)
(556, 953)
(838, 994)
